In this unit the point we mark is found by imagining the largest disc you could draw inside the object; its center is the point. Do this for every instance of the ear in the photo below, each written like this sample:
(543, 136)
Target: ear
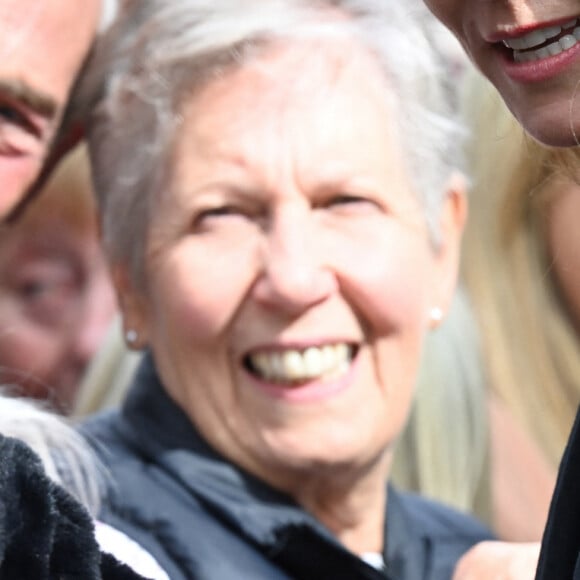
(451, 223)
(133, 307)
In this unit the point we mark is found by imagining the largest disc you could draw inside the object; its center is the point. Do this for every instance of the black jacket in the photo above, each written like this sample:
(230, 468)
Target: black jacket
(45, 534)
(201, 517)
(559, 556)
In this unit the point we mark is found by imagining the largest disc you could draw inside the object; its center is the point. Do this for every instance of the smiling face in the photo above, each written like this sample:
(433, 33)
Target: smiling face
(530, 50)
(289, 275)
(38, 64)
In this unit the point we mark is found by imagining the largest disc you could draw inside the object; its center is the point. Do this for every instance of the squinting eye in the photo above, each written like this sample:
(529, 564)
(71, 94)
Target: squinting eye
(12, 115)
(18, 133)
(226, 210)
(349, 202)
(215, 215)
(345, 199)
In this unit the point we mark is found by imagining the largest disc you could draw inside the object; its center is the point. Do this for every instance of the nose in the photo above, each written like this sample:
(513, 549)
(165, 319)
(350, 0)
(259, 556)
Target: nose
(296, 272)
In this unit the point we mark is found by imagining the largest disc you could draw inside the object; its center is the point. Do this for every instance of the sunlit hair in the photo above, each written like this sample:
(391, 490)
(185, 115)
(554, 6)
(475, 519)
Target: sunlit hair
(531, 349)
(65, 199)
(109, 10)
(159, 52)
(66, 456)
(109, 375)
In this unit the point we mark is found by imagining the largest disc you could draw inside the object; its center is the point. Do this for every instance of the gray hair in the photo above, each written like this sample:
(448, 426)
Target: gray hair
(65, 455)
(158, 51)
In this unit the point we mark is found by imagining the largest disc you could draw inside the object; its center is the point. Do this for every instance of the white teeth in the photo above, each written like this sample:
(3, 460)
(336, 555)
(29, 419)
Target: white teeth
(567, 41)
(291, 366)
(534, 38)
(552, 49)
(313, 361)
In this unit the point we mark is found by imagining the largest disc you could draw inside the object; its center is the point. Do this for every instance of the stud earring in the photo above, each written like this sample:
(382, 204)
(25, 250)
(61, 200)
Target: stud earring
(436, 315)
(131, 336)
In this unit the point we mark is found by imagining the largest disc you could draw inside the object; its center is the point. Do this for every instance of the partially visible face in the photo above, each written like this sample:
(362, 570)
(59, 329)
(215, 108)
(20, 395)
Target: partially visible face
(42, 46)
(563, 236)
(56, 303)
(289, 275)
(530, 51)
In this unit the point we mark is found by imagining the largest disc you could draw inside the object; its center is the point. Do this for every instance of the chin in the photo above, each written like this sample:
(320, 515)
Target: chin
(553, 132)
(552, 123)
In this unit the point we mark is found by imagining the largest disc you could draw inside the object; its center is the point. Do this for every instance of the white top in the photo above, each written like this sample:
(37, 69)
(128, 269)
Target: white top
(128, 551)
(374, 559)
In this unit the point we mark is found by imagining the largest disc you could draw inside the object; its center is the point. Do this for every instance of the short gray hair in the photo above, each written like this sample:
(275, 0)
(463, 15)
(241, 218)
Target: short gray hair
(159, 50)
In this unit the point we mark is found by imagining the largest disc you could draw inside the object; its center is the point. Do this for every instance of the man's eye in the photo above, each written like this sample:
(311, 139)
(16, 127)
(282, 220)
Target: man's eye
(14, 116)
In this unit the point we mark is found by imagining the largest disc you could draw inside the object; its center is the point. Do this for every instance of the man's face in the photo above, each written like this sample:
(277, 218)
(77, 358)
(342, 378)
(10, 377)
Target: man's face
(530, 50)
(42, 46)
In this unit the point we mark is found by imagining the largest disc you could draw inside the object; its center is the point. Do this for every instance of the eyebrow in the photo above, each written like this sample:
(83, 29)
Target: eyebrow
(39, 102)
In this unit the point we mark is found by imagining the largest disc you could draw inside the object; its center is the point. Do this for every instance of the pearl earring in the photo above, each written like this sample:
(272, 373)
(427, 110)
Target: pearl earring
(131, 336)
(436, 314)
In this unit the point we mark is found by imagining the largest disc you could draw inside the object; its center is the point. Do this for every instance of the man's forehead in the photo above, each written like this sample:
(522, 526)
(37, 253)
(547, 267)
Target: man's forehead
(43, 44)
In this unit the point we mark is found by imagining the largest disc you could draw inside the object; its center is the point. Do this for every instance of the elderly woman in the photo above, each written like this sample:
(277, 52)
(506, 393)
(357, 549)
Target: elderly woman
(283, 226)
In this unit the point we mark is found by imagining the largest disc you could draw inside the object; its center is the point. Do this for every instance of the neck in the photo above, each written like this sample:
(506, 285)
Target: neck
(352, 507)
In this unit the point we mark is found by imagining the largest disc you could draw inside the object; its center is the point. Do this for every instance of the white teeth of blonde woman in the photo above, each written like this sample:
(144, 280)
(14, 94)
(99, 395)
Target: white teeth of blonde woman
(293, 365)
(522, 46)
(534, 38)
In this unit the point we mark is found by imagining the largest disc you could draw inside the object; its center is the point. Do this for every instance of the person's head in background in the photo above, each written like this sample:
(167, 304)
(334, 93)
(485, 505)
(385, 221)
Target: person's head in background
(56, 299)
(530, 50)
(521, 260)
(42, 48)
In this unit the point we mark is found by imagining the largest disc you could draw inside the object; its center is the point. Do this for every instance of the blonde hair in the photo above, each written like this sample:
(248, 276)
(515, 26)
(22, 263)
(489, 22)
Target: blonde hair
(109, 375)
(67, 197)
(530, 347)
(444, 450)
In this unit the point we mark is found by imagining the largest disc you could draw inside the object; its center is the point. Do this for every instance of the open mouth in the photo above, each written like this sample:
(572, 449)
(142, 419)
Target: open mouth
(544, 42)
(294, 367)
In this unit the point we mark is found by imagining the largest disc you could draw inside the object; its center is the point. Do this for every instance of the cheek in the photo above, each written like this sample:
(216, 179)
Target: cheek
(564, 247)
(446, 10)
(388, 285)
(24, 346)
(16, 176)
(201, 290)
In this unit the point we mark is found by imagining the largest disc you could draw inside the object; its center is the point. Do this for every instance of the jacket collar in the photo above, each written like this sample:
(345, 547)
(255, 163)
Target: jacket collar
(260, 513)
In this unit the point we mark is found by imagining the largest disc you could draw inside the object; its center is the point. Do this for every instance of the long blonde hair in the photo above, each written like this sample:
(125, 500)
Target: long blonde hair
(530, 347)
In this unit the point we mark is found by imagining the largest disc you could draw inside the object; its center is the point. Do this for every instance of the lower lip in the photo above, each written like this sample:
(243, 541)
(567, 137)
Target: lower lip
(543, 69)
(308, 392)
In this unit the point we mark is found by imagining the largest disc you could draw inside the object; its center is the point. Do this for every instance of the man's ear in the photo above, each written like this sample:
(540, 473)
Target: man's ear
(132, 306)
(451, 223)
